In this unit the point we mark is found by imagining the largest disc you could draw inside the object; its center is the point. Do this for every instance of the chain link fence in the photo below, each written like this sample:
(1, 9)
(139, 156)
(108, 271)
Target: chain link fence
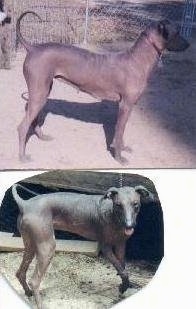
(188, 18)
(92, 21)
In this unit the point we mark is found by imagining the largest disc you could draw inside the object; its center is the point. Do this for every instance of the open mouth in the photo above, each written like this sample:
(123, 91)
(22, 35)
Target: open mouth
(129, 231)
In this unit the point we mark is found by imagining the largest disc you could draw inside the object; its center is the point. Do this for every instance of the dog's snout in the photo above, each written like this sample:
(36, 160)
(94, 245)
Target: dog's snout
(177, 44)
(130, 224)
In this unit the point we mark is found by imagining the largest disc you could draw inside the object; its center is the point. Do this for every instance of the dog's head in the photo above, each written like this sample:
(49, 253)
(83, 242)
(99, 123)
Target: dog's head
(126, 205)
(165, 35)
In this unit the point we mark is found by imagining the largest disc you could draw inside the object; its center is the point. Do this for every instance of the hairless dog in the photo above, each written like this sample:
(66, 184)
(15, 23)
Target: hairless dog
(110, 219)
(119, 77)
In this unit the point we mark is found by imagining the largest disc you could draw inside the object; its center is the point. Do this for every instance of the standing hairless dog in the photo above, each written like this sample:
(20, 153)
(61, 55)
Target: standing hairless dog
(110, 219)
(119, 77)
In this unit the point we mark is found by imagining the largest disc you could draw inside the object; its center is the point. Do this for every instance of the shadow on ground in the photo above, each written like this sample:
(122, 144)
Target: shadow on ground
(171, 96)
(104, 113)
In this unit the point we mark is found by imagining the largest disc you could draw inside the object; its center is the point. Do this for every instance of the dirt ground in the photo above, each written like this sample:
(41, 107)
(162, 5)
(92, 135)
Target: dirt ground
(75, 280)
(161, 130)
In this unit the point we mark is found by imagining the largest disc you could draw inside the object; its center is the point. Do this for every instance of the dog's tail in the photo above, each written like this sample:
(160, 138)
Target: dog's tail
(21, 39)
(20, 202)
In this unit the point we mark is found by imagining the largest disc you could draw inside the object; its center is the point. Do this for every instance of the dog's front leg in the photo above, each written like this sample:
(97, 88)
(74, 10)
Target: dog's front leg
(107, 251)
(117, 144)
(119, 251)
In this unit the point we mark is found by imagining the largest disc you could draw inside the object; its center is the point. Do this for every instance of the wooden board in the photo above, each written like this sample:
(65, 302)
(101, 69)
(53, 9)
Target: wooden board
(8, 243)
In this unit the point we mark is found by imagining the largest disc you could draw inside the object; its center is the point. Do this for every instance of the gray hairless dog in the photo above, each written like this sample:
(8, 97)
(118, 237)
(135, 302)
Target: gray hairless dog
(119, 77)
(110, 219)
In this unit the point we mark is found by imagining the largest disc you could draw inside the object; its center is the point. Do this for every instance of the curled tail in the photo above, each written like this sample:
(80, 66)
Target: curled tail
(21, 203)
(27, 45)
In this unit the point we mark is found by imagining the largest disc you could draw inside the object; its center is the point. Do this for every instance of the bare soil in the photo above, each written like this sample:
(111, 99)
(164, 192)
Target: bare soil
(75, 280)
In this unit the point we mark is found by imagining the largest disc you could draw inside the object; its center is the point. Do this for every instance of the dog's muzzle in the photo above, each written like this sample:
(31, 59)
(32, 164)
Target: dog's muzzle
(177, 44)
(129, 231)
(129, 228)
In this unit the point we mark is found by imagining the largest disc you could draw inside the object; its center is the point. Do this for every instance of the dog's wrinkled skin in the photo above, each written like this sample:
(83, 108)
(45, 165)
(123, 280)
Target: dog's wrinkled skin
(120, 77)
(110, 219)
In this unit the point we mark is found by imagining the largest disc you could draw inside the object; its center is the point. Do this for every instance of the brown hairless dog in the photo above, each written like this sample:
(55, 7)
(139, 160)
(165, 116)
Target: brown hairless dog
(119, 77)
(110, 219)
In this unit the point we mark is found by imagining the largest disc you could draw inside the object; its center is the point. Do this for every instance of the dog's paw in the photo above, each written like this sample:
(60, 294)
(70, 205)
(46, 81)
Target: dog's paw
(25, 159)
(45, 137)
(124, 286)
(7, 67)
(127, 149)
(28, 293)
(122, 160)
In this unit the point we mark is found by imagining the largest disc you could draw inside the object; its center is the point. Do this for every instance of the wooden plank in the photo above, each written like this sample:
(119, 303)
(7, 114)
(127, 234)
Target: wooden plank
(8, 243)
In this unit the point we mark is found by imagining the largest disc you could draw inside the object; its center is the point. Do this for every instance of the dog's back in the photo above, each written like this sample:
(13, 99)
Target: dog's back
(73, 212)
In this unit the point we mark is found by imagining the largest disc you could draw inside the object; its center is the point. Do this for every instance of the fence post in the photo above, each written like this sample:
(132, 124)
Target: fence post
(86, 22)
(188, 18)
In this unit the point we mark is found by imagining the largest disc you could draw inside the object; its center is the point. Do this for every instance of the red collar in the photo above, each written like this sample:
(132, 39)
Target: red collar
(159, 52)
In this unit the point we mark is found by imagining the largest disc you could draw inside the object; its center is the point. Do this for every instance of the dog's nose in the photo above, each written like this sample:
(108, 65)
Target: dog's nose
(130, 225)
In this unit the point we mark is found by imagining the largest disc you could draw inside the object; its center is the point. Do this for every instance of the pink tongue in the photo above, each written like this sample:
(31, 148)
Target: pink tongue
(129, 232)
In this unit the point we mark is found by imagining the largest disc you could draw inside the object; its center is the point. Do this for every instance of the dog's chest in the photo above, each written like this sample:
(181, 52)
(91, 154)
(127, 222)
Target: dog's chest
(97, 77)
(103, 94)
(98, 91)
(76, 226)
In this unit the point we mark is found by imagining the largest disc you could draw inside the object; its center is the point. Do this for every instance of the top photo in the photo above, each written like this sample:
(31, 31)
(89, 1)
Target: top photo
(97, 84)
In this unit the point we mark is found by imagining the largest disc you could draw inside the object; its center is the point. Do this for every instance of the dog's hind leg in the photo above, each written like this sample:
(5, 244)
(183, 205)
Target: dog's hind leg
(38, 124)
(40, 121)
(35, 104)
(39, 133)
(28, 256)
(45, 250)
(117, 144)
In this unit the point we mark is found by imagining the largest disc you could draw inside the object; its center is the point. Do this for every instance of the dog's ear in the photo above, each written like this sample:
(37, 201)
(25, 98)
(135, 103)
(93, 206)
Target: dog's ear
(111, 193)
(144, 192)
(162, 28)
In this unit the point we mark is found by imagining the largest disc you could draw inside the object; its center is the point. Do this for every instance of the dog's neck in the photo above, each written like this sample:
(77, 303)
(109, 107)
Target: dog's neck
(105, 210)
(144, 52)
(158, 50)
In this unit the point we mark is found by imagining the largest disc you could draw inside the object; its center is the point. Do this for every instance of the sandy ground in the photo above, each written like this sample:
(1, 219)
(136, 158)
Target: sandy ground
(75, 280)
(161, 130)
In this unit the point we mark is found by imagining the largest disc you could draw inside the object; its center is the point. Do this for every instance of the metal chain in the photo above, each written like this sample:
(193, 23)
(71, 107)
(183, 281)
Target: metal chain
(120, 180)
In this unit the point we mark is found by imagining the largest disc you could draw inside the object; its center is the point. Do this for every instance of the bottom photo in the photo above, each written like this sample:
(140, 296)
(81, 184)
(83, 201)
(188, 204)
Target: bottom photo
(72, 239)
